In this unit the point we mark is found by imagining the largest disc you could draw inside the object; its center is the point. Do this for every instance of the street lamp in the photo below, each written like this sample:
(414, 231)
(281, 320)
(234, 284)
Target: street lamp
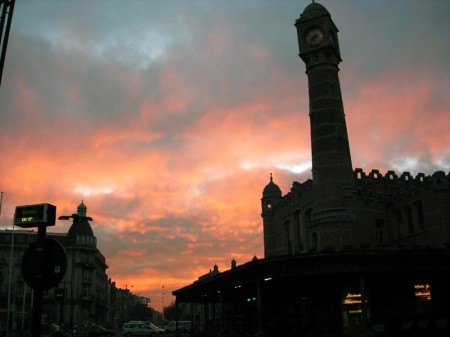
(77, 218)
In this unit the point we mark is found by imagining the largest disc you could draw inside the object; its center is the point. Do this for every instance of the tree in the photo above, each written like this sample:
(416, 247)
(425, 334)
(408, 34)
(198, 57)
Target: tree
(140, 312)
(170, 312)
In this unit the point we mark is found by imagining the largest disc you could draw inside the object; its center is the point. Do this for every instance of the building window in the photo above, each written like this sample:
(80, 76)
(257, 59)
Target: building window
(308, 214)
(287, 238)
(379, 231)
(419, 213)
(314, 241)
(409, 218)
(399, 221)
(297, 231)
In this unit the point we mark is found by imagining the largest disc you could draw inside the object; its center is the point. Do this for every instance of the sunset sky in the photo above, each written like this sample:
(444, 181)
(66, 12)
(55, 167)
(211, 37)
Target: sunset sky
(167, 117)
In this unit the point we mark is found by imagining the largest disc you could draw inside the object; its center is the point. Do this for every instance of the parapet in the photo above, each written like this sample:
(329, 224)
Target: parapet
(438, 180)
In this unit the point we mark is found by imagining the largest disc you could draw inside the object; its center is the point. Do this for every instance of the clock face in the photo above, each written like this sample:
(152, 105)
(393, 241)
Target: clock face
(314, 37)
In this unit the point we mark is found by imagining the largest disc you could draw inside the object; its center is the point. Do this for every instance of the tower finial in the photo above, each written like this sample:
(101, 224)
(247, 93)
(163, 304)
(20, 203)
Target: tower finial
(271, 176)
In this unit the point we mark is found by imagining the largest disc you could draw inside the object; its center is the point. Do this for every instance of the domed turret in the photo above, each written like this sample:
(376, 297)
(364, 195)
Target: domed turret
(271, 196)
(80, 233)
(271, 190)
(82, 209)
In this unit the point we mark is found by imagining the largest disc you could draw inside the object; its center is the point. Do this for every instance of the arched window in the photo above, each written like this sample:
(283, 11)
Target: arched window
(399, 221)
(419, 213)
(409, 219)
(380, 232)
(287, 238)
(314, 241)
(297, 231)
(308, 214)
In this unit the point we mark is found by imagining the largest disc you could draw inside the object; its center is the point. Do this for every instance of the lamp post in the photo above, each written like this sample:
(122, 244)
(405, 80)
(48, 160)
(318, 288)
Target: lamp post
(76, 220)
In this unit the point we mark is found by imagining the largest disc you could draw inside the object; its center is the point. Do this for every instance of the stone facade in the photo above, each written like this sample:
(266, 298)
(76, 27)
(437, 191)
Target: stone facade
(93, 298)
(388, 211)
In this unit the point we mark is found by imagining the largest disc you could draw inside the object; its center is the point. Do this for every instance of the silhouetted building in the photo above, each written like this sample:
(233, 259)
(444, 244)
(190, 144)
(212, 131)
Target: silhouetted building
(346, 253)
(93, 297)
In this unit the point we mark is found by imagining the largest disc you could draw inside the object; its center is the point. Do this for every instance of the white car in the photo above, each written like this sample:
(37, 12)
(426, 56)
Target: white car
(183, 326)
(138, 329)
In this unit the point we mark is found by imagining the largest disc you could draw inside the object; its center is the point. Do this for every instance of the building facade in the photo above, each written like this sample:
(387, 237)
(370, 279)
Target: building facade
(89, 295)
(347, 253)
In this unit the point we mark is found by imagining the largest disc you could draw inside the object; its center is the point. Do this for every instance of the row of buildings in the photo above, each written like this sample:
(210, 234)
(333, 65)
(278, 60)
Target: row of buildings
(88, 294)
(347, 253)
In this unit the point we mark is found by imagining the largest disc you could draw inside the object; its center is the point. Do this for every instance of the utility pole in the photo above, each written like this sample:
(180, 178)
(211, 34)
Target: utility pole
(6, 10)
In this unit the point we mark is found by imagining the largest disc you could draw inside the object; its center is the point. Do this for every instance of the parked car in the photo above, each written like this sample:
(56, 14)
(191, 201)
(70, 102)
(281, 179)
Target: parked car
(138, 329)
(93, 330)
(183, 326)
(157, 328)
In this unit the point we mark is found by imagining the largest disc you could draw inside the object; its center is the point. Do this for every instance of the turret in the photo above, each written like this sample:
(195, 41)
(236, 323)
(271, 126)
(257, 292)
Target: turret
(270, 197)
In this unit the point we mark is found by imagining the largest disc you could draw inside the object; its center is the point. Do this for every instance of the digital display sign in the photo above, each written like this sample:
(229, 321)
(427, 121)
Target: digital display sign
(422, 290)
(35, 215)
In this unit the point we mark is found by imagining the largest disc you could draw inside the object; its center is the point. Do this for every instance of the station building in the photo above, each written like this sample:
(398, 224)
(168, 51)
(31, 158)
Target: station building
(347, 253)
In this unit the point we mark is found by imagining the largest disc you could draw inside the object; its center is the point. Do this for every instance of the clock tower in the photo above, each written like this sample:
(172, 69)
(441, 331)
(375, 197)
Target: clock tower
(331, 160)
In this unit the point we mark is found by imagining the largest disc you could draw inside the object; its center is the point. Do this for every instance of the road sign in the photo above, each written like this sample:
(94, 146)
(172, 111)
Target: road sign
(44, 268)
(35, 215)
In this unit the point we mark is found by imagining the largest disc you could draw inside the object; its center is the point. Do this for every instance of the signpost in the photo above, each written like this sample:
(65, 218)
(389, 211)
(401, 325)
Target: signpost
(44, 262)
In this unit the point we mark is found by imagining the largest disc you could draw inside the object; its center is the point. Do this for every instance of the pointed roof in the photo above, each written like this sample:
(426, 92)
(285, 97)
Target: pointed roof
(314, 10)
